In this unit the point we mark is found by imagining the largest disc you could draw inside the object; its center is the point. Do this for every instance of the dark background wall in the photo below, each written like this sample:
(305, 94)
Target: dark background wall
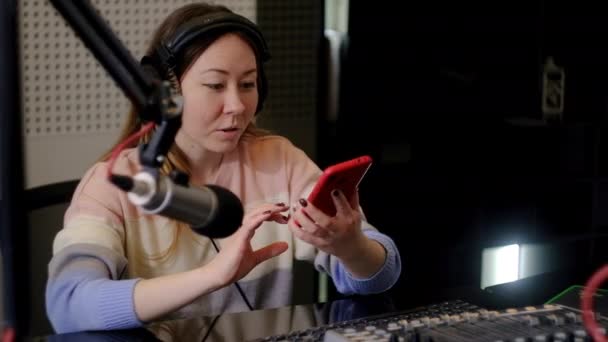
(446, 97)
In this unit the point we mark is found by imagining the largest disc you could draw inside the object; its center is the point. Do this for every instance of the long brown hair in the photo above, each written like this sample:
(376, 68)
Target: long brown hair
(176, 159)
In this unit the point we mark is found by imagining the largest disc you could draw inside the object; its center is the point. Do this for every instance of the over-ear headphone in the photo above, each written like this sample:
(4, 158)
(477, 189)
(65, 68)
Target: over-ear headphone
(165, 57)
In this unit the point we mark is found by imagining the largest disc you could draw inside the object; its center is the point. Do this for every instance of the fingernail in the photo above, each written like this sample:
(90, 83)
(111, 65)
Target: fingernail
(267, 212)
(303, 202)
(280, 204)
(335, 193)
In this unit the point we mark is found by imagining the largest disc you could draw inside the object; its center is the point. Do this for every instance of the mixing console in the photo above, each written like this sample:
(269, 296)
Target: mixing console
(456, 321)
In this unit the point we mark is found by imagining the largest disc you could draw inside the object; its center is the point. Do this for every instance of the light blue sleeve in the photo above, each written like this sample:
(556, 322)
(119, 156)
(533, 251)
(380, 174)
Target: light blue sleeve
(84, 291)
(379, 282)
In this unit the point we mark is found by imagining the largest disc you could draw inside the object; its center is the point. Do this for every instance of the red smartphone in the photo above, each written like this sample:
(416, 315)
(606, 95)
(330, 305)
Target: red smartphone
(345, 177)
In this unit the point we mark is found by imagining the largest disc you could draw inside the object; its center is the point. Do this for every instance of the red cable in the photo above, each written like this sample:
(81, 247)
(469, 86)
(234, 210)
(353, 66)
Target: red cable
(127, 142)
(8, 335)
(587, 303)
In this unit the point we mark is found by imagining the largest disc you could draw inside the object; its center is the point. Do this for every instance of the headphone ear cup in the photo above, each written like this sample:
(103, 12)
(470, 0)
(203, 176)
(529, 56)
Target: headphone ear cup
(156, 74)
(262, 90)
(159, 72)
(151, 69)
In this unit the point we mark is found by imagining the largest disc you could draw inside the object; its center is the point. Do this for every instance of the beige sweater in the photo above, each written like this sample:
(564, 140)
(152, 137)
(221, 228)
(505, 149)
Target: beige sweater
(103, 231)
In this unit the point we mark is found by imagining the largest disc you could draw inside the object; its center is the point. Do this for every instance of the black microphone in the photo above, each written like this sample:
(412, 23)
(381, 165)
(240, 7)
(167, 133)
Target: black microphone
(211, 211)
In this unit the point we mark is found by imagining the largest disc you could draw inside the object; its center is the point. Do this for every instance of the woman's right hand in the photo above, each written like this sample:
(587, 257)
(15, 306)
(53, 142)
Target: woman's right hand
(159, 296)
(236, 257)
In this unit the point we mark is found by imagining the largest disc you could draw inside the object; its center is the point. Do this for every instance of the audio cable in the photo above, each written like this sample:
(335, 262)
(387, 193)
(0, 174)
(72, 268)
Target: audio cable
(238, 287)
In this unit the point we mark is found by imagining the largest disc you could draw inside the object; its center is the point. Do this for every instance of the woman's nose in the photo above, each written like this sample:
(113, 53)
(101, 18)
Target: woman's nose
(234, 102)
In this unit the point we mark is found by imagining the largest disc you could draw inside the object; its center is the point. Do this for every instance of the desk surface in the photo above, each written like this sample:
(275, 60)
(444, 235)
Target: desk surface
(247, 326)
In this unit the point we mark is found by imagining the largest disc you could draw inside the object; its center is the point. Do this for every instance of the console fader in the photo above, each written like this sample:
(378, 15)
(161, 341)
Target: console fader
(549, 322)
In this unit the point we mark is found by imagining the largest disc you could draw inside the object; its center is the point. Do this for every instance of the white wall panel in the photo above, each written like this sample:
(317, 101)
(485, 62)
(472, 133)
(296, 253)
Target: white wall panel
(73, 111)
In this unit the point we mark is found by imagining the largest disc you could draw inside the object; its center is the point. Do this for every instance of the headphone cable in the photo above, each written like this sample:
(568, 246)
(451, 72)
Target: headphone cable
(238, 287)
(210, 328)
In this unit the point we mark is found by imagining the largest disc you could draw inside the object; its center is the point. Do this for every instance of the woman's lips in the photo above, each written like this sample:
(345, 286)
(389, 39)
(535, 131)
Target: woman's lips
(229, 133)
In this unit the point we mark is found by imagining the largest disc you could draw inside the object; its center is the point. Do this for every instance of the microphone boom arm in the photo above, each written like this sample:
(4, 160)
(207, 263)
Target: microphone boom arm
(107, 49)
(152, 98)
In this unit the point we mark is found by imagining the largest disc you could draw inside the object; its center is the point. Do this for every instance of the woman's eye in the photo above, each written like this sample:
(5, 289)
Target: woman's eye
(248, 85)
(214, 86)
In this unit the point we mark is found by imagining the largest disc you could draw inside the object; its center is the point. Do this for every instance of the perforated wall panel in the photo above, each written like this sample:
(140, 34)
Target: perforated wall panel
(294, 30)
(65, 90)
(73, 111)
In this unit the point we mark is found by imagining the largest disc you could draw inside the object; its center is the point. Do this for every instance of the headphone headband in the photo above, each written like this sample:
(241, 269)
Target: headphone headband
(196, 27)
(167, 55)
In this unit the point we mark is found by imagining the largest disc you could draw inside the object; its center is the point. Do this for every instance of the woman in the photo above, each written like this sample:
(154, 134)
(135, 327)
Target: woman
(116, 267)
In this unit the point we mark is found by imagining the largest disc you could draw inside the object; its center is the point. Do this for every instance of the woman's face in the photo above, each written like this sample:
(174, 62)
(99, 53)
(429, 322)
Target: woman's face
(220, 94)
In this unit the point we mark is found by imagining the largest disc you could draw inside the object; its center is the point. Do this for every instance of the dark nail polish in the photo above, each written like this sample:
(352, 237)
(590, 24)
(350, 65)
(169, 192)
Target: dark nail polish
(280, 204)
(267, 212)
(335, 193)
(303, 202)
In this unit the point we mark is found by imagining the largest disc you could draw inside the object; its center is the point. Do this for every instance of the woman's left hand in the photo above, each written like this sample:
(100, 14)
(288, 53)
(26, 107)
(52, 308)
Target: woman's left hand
(338, 235)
